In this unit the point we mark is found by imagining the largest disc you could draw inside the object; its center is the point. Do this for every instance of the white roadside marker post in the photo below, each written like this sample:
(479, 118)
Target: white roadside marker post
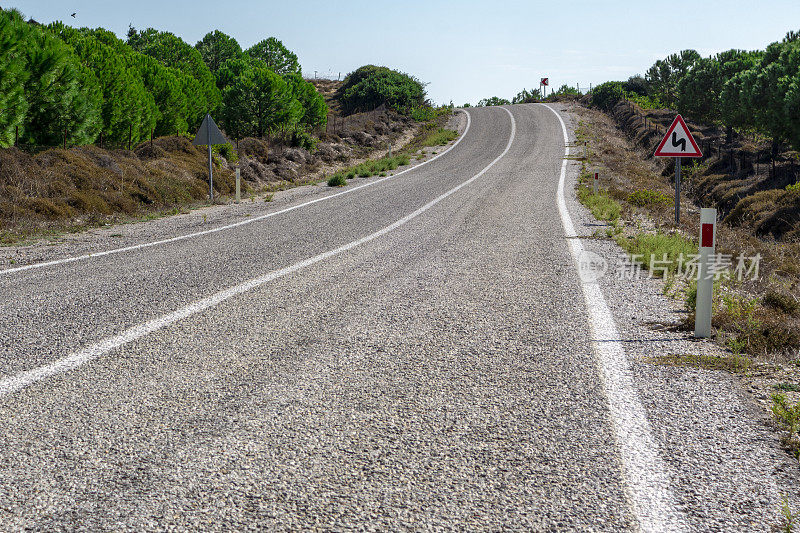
(705, 279)
(238, 185)
(595, 182)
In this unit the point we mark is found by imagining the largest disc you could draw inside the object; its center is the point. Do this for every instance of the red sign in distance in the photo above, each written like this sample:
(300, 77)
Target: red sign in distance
(707, 236)
(678, 142)
(545, 81)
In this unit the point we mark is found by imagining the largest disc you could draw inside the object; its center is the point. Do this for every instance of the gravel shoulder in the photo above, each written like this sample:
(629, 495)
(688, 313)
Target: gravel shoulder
(728, 467)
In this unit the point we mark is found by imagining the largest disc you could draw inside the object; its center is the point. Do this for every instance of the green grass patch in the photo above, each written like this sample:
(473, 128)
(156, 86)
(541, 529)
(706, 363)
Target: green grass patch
(366, 169)
(602, 206)
(649, 198)
(661, 249)
(787, 416)
(440, 137)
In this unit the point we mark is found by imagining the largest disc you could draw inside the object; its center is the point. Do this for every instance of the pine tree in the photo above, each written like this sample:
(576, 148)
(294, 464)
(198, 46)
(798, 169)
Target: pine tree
(216, 48)
(278, 58)
(13, 74)
(63, 96)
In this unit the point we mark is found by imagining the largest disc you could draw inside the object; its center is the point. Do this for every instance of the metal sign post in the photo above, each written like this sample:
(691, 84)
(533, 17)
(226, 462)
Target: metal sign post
(677, 191)
(209, 134)
(678, 143)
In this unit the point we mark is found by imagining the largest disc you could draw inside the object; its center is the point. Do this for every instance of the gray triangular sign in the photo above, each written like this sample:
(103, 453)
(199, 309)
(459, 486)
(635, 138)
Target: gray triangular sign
(209, 133)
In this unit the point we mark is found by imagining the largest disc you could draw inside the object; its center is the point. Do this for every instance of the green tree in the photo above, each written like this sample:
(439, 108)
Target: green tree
(13, 75)
(129, 109)
(665, 74)
(770, 91)
(566, 90)
(700, 90)
(257, 100)
(62, 96)
(315, 110)
(216, 48)
(278, 58)
(163, 83)
(173, 52)
(527, 97)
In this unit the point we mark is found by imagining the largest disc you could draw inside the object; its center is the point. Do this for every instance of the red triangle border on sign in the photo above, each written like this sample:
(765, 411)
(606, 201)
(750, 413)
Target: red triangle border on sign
(678, 121)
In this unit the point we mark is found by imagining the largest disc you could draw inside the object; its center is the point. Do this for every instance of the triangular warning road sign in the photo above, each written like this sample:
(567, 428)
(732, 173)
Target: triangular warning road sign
(678, 142)
(209, 133)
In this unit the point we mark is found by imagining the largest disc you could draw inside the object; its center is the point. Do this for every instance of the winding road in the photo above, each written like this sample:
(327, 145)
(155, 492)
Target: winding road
(416, 352)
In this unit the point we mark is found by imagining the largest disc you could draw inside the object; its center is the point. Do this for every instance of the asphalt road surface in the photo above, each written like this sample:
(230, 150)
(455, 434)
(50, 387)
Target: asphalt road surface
(419, 353)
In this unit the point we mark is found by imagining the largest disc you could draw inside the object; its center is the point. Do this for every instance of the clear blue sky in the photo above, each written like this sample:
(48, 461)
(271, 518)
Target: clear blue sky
(464, 50)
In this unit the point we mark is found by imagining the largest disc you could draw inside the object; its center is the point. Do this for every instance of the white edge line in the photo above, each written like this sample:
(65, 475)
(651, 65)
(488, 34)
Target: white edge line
(230, 226)
(79, 358)
(645, 474)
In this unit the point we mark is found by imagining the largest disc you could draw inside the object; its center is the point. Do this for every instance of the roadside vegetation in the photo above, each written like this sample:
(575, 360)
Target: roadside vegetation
(757, 320)
(95, 129)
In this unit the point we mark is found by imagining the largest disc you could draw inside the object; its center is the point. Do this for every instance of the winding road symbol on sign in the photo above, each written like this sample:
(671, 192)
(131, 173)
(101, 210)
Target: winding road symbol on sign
(678, 142)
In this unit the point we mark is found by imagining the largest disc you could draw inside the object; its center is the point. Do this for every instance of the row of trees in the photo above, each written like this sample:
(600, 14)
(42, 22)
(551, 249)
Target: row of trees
(750, 90)
(58, 81)
(261, 88)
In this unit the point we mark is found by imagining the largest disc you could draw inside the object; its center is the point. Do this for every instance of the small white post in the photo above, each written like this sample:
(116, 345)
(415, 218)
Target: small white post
(238, 185)
(705, 280)
(595, 182)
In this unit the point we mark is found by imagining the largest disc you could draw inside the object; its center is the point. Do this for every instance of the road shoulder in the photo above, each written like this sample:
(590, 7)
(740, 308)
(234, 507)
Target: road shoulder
(727, 466)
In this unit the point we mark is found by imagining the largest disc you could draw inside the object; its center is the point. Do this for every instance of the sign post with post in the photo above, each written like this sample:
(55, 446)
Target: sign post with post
(705, 277)
(544, 82)
(209, 134)
(595, 182)
(678, 143)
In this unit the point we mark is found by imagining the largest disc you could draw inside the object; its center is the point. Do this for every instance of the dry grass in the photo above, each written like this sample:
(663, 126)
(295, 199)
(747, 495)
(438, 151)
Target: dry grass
(73, 188)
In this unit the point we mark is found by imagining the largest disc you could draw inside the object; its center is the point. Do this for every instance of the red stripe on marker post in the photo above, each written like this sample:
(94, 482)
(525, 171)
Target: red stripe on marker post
(707, 235)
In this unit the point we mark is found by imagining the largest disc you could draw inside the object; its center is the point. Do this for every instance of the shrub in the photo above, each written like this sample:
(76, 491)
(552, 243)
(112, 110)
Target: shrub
(647, 197)
(337, 180)
(606, 95)
(371, 86)
(494, 100)
(303, 139)
(423, 113)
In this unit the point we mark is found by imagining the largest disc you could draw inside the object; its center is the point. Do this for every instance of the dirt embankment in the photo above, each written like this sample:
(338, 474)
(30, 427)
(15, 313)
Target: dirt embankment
(741, 175)
(60, 189)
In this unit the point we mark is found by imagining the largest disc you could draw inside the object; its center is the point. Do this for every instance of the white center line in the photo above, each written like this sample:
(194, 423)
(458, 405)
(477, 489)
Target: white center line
(79, 358)
(228, 226)
(646, 476)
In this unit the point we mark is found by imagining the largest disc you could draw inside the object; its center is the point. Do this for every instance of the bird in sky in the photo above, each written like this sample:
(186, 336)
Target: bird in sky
(73, 15)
